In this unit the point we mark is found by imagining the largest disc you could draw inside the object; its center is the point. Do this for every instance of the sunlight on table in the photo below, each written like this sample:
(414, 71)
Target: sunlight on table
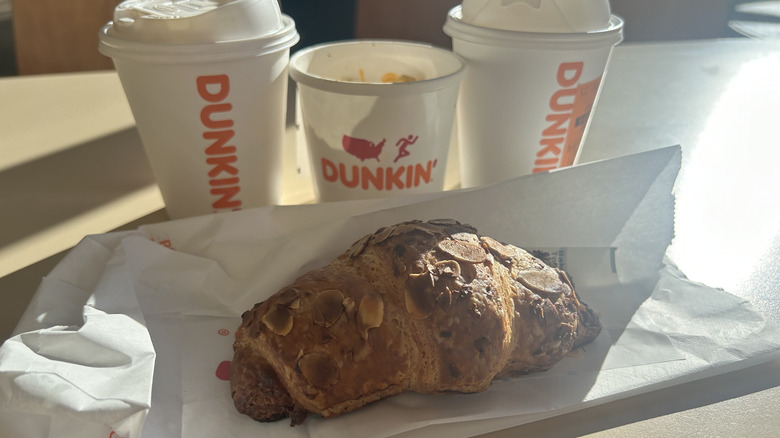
(739, 126)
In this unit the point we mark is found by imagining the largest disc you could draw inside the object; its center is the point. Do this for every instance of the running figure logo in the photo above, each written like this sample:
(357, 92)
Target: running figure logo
(404, 143)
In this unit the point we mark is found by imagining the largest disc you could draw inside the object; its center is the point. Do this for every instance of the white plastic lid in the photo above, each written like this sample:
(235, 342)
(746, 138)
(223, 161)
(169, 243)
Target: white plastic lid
(549, 16)
(195, 21)
(458, 29)
(182, 30)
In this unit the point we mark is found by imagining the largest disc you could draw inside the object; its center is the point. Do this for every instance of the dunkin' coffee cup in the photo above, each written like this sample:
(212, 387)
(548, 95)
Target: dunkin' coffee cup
(534, 73)
(206, 81)
(378, 116)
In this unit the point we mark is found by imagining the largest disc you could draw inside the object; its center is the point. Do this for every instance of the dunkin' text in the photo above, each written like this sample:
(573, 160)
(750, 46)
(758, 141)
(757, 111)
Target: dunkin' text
(560, 106)
(379, 178)
(221, 155)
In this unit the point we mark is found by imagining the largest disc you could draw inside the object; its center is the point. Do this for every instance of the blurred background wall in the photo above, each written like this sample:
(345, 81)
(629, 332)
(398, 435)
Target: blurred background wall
(7, 54)
(52, 36)
(645, 20)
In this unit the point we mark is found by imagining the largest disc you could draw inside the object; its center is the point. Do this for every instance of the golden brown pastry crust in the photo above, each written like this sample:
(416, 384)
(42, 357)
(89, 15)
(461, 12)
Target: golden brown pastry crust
(430, 307)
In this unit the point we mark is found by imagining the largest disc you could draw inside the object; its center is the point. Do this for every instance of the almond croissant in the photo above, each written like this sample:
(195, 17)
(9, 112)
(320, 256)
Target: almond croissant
(430, 307)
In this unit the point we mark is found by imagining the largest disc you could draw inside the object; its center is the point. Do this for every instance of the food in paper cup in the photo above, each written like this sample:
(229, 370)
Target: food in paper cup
(377, 116)
(387, 78)
(394, 78)
(431, 307)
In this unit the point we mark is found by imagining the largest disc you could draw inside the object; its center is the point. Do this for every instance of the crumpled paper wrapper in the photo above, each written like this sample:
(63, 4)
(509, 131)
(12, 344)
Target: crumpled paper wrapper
(131, 334)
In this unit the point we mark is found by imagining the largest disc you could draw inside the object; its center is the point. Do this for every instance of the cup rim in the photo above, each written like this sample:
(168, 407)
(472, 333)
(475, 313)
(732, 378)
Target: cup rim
(303, 77)
(161, 53)
(456, 28)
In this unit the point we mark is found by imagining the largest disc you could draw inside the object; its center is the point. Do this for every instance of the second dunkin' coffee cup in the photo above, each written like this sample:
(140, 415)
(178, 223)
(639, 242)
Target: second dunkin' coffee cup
(207, 84)
(378, 116)
(533, 77)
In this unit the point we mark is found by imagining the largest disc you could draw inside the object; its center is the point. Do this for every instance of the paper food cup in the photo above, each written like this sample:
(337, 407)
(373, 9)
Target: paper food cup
(209, 96)
(368, 134)
(527, 98)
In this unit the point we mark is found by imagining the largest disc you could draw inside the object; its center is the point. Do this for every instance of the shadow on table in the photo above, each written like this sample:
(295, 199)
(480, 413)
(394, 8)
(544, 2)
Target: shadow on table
(17, 289)
(43, 194)
(694, 403)
(52, 190)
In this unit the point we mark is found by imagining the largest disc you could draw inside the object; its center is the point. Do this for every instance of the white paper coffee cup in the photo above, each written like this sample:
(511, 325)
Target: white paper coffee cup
(208, 94)
(526, 101)
(368, 138)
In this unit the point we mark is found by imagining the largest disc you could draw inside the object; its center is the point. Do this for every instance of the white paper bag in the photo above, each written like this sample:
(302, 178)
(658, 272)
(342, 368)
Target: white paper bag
(83, 361)
(189, 281)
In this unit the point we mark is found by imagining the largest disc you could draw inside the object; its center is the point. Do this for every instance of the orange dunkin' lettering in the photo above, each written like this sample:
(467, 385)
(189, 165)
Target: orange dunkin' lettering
(207, 115)
(563, 100)
(219, 83)
(226, 195)
(222, 163)
(221, 154)
(380, 178)
(569, 107)
(220, 146)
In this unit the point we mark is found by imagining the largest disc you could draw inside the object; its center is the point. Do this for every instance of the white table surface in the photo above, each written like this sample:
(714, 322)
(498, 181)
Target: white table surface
(71, 164)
